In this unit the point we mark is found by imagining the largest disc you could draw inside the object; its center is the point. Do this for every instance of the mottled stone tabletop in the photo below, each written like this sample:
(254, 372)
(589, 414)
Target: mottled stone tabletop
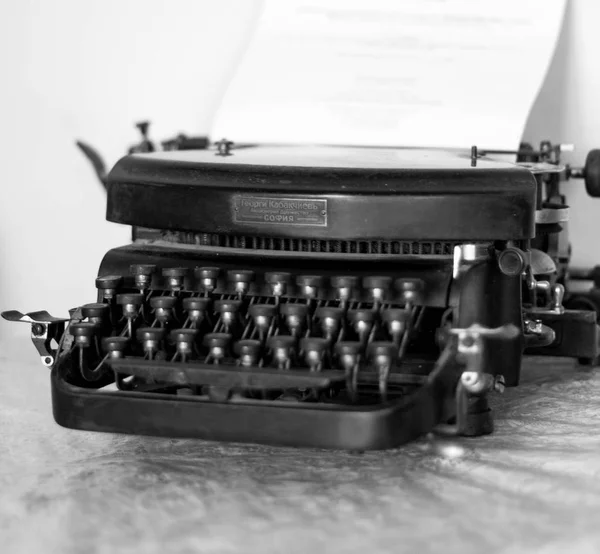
(533, 486)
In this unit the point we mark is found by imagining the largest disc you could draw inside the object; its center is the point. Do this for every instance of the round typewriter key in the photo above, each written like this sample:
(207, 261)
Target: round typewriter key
(228, 312)
(131, 303)
(282, 347)
(134, 298)
(278, 282)
(184, 341)
(83, 333)
(142, 269)
(248, 350)
(115, 346)
(383, 355)
(378, 286)
(241, 279)
(361, 315)
(142, 274)
(331, 318)
(196, 308)
(151, 337)
(309, 285)
(411, 290)
(395, 320)
(349, 348)
(345, 286)
(295, 317)
(154, 334)
(299, 310)
(108, 285)
(109, 282)
(227, 306)
(382, 348)
(174, 277)
(262, 315)
(218, 344)
(163, 307)
(95, 313)
(314, 349)
(348, 353)
(208, 277)
(362, 321)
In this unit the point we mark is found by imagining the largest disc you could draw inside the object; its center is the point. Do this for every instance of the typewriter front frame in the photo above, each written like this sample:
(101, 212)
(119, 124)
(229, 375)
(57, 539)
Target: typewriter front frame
(279, 423)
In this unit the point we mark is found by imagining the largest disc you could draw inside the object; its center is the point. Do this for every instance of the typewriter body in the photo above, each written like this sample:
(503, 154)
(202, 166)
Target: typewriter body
(315, 296)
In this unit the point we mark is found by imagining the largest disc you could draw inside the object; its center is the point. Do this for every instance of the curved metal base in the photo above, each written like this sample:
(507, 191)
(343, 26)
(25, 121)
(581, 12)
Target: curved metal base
(274, 423)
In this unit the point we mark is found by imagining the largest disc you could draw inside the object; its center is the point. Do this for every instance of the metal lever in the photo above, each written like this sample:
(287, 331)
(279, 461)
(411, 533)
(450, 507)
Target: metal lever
(44, 329)
(470, 348)
(474, 380)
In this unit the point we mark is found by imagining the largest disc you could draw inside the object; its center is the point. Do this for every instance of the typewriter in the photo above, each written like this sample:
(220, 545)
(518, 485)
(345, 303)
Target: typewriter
(317, 296)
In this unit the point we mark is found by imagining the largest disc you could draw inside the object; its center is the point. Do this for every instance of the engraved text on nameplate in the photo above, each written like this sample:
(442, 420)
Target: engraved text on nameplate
(276, 210)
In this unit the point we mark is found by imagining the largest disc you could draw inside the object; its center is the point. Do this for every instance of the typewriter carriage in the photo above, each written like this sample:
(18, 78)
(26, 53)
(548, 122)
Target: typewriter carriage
(317, 332)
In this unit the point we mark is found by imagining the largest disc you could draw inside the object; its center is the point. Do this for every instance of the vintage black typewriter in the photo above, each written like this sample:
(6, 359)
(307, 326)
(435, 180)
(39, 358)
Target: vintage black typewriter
(334, 297)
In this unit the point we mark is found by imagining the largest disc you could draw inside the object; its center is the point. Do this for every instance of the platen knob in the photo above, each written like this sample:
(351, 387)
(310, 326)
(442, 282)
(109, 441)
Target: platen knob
(591, 173)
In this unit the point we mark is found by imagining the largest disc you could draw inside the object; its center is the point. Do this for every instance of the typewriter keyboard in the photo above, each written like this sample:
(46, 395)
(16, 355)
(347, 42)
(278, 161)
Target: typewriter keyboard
(219, 335)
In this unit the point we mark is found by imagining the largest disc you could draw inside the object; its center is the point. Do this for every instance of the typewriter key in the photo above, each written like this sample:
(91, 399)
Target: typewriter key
(96, 313)
(248, 350)
(151, 338)
(217, 344)
(163, 307)
(378, 287)
(278, 283)
(83, 333)
(349, 353)
(345, 287)
(108, 285)
(331, 319)
(283, 348)
(241, 279)
(131, 305)
(309, 285)
(263, 315)
(196, 309)
(228, 310)
(362, 321)
(395, 320)
(175, 277)
(314, 349)
(142, 274)
(115, 346)
(184, 342)
(411, 291)
(383, 355)
(208, 277)
(295, 317)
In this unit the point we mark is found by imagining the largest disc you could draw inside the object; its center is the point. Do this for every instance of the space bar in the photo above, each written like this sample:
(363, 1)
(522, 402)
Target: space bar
(194, 373)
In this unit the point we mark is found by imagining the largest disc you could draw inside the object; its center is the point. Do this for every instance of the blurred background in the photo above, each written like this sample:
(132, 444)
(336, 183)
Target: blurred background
(89, 70)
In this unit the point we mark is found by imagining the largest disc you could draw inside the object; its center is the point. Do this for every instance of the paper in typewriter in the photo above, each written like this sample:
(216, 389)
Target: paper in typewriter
(434, 73)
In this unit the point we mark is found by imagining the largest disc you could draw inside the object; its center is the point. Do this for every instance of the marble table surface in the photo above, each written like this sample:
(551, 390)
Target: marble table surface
(533, 486)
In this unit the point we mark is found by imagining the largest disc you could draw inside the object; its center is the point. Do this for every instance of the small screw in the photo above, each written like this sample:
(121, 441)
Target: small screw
(38, 329)
(224, 147)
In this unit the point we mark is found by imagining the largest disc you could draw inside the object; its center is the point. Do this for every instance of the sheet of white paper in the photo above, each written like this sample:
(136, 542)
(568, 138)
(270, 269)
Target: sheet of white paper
(439, 73)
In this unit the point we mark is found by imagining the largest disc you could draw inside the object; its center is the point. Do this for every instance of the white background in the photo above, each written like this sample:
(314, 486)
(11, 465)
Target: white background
(88, 70)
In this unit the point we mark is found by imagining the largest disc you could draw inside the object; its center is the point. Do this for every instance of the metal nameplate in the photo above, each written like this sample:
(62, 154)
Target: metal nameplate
(275, 210)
